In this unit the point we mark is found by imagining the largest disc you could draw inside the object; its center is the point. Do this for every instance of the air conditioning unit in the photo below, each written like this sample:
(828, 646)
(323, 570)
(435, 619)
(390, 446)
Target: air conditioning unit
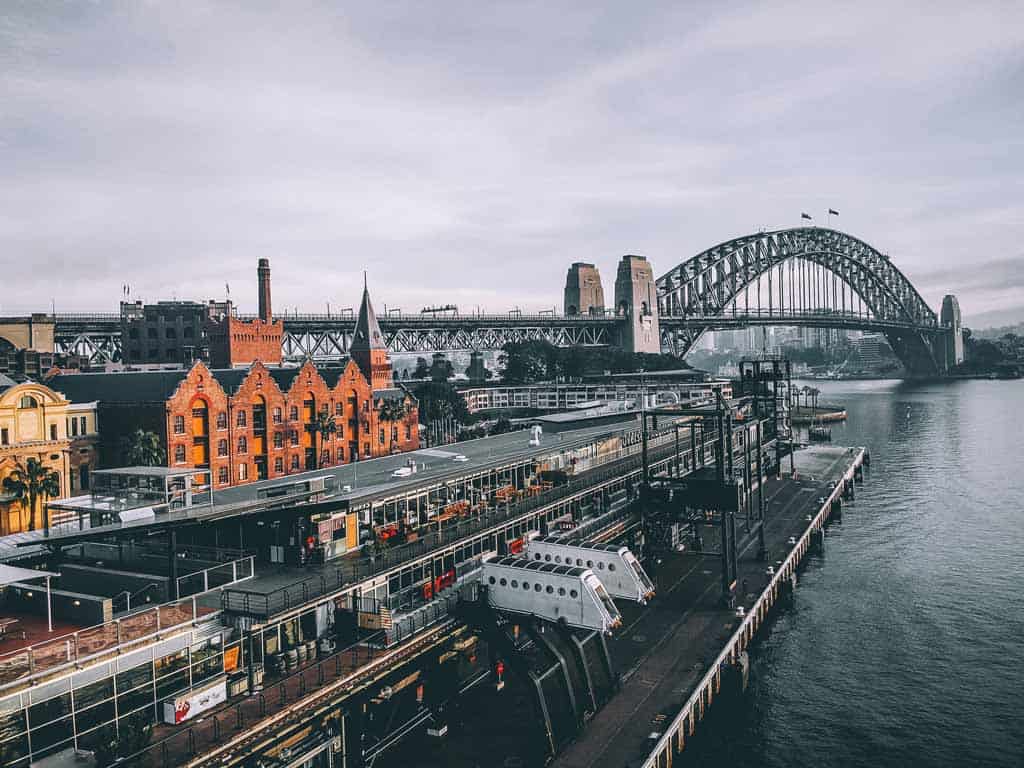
(317, 484)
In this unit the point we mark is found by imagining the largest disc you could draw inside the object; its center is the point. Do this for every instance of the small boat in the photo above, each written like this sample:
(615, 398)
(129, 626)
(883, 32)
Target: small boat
(818, 432)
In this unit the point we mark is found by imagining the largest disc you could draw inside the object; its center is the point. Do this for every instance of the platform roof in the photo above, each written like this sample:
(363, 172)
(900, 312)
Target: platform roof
(12, 574)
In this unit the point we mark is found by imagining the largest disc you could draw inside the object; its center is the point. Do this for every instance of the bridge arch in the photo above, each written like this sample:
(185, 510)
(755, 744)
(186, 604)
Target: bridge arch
(702, 288)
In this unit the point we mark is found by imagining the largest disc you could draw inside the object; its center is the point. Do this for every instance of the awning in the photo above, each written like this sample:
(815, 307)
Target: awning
(11, 574)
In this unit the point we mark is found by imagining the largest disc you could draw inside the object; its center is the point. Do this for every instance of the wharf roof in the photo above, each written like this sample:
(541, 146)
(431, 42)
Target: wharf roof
(367, 481)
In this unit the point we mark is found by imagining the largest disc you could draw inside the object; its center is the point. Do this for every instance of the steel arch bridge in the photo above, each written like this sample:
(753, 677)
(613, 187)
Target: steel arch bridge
(805, 277)
(808, 276)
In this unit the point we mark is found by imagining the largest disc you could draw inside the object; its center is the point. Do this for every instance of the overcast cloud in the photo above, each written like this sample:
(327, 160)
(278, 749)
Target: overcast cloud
(468, 152)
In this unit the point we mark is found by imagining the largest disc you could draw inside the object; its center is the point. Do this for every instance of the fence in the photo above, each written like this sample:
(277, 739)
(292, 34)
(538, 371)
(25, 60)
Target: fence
(68, 651)
(217, 576)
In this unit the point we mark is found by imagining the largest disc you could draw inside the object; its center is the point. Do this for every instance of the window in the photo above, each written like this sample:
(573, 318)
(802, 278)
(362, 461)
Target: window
(151, 333)
(573, 593)
(339, 409)
(536, 587)
(222, 448)
(611, 566)
(600, 566)
(295, 462)
(222, 475)
(325, 458)
(561, 591)
(243, 445)
(278, 440)
(179, 425)
(222, 420)
(558, 558)
(293, 436)
(243, 471)
(293, 413)
(341, 454)
(366, 450)
(82, 425)
(366, 406)
(170, 333)
(503, 583)
(276, 415)
(514, 583)
(547, 558)
(380, 437)
(408, 432)
(549, 589)
(526, 585)
(240, 419)
(5, 436)
(179, 454)
(279, 464)
(73, 423)
(394, 434)
(536, 555)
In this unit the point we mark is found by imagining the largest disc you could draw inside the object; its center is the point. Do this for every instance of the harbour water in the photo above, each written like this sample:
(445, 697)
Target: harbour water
(905, 643)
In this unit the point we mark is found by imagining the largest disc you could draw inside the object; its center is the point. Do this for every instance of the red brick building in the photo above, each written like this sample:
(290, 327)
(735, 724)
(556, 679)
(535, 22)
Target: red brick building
(258, 422)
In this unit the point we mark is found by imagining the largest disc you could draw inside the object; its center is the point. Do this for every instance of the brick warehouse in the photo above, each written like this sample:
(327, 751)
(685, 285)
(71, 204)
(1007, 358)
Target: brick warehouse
(258, 422)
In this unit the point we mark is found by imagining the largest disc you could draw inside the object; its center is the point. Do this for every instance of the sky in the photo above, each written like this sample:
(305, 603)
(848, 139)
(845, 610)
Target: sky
(467, 153)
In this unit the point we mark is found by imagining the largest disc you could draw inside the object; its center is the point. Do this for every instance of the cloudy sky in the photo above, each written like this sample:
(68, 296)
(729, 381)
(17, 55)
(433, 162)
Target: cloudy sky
(468, 152)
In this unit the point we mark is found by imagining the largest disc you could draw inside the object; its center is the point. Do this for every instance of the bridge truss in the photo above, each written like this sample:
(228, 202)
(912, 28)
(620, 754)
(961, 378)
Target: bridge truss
(809, 277)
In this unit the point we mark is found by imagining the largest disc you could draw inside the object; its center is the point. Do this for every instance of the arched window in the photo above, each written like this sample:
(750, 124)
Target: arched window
(179, 425)
(240, 419)
(222, 420)
(179, 454)
(27, 401)
(222, 447)
(243, 445)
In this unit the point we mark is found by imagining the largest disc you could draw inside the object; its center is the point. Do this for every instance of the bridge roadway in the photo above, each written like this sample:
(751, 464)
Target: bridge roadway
(328, 337)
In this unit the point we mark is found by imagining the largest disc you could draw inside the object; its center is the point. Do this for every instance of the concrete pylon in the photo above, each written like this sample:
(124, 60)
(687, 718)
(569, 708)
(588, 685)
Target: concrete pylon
(949, 318)
(636, 301)
(584, 294)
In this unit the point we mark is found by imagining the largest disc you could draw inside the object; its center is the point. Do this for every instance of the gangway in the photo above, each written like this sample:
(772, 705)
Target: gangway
(615, 566)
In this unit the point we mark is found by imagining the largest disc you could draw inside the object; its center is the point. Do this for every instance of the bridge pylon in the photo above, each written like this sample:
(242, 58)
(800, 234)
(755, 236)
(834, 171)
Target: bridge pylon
(636, 305)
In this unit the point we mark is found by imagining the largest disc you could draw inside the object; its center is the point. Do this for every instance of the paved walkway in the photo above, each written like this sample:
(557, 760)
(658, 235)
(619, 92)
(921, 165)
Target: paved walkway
(663, 651)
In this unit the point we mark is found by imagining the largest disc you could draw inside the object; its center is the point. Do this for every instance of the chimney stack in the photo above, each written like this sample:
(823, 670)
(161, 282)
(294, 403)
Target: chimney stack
(263, 272)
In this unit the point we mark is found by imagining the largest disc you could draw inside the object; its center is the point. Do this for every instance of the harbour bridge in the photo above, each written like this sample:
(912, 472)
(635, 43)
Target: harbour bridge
(803, 277)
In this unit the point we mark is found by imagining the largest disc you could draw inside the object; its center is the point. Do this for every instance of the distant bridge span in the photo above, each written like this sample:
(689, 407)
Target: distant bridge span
(808, 276)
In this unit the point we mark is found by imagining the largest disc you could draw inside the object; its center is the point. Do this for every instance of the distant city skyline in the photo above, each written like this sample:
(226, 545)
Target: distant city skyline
(467, 155)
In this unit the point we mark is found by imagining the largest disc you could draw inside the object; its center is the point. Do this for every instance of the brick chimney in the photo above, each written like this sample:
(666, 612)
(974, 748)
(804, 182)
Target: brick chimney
(263, 272)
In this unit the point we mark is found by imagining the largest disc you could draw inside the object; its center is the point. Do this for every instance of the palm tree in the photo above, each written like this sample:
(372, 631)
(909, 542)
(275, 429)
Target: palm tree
(323, 424)
(144, 449)
(814, 398)
(393, 410)
(34, 482)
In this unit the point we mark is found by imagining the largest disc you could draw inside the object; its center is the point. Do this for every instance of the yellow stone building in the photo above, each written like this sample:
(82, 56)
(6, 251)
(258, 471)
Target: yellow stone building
(38, 423)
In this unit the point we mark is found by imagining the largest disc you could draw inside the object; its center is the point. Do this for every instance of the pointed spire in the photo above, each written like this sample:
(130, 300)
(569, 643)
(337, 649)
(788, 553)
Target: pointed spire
(367, 334)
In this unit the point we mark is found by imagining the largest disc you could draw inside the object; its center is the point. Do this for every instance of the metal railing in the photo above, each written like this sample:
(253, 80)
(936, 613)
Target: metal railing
(351, 570)
(58, 654)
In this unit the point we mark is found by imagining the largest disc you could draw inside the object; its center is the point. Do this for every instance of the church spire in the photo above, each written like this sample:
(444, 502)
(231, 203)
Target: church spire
(368, 348)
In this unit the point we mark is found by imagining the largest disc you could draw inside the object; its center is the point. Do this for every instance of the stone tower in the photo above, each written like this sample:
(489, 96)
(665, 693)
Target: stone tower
(636, 301)
(263, 275)
(584, 294)
(954, 340)
(368, 349)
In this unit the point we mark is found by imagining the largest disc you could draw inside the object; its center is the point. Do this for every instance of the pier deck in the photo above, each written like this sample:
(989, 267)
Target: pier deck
(666, 650)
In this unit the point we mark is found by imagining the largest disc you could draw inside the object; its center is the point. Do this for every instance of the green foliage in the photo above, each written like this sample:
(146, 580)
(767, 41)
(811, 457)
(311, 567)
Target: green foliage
(143, 449)
(501, 426)
(393, 410)
(422, 369)
(441, 370)
(33, 483)
(136, 731)
(439, 399)
(529, 362)
(323, 424)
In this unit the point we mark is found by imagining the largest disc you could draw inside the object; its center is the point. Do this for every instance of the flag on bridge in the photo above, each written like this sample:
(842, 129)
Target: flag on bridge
(833, 212)
(805, 216)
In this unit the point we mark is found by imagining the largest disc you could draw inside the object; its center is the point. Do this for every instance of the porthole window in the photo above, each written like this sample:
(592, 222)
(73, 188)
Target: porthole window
(600, 566)
(573, 593)
(491, 580)
(590, 563)
(514, 583)
(578, 561)
(561, 591)
(611, 566)
(536, 587)
(550, 590)
(547, 558)
(526, 585)
(536, 555)
(503, 583)
(558, 558)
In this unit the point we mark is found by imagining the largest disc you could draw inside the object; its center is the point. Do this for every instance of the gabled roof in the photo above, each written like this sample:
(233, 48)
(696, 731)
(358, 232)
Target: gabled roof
(367, 334)
(118, 387)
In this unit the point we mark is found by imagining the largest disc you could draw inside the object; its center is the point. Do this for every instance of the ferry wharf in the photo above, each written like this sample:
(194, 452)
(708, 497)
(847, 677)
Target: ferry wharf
(685, 651)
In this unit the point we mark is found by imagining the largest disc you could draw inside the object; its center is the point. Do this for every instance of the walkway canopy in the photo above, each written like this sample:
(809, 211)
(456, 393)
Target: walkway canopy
(12, 574)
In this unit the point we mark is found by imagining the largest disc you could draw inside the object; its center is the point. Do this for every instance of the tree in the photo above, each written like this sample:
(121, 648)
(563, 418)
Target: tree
(422, 369)
(323, 424)
(527, 362)
(143, 449)
(135, 733)
(35, 483)
(502, 425)
(441, 369)
(438, 400)
(393, 410)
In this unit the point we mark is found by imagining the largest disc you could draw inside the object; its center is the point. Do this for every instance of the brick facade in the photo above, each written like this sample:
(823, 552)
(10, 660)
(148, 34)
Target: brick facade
(235, 342)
